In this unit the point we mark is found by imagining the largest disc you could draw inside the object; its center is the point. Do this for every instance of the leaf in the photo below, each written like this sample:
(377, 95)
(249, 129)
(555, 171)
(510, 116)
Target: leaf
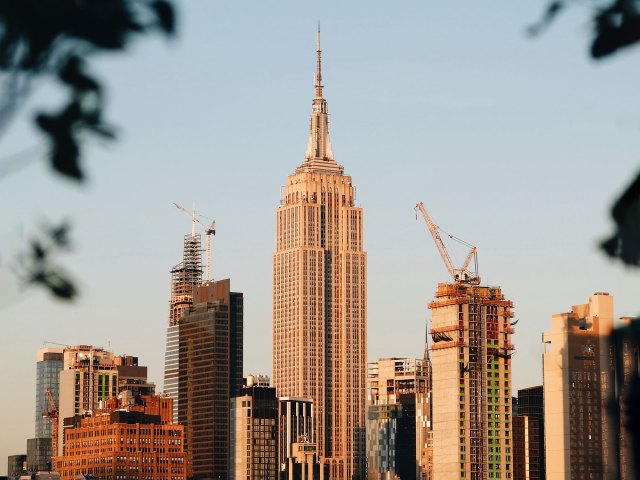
(60, 235)
(625, 242)
(166, 16)
(549, 15)
(72, 74)
(611, 36)
(56, 282)
(61, 287)
(65, 157)
(39, 252)
(103, 131)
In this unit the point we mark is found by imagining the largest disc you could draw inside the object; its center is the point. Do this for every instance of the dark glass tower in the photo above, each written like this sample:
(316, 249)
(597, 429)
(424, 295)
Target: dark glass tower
(209, 375)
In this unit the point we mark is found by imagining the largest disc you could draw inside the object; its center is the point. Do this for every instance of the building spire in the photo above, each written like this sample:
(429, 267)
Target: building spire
(318, 83)
(319, 155)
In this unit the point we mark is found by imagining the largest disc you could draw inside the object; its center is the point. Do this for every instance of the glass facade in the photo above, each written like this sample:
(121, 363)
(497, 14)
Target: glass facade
(171, 365)
(47, 376)
(209, 375)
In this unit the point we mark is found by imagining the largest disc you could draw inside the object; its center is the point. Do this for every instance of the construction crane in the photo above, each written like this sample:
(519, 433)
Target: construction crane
(52, 413)
(459, 275)
(208, 231)
(47, 342)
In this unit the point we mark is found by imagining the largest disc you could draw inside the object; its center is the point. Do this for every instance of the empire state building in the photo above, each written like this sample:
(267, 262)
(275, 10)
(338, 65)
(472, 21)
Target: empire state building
(320, 298)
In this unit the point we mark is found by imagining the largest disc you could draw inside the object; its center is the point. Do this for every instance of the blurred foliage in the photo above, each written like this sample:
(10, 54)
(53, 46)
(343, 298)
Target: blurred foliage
(625, 242)
(615, 25)
(37, 267)
(53, 40)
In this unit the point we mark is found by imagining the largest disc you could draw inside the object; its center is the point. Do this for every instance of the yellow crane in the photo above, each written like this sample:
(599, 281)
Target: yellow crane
(53, 414)
(208, 231)
(459, 275)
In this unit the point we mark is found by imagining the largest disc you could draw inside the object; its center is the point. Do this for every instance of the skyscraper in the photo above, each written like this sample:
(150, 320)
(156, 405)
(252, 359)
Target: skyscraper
(209, 375)
(184, 276)
(319, 298)
(471, 361)
(48, 366)
(626, 344)
(578, 376)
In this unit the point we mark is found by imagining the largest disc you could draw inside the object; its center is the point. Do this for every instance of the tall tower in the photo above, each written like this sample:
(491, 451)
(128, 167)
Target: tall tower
(471, 360)
(184, 277)
(209, 375)
(578, 376)
(49, 364)
(319, 298)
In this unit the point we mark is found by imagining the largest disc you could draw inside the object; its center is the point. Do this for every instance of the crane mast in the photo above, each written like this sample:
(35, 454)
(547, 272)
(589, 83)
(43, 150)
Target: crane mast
(459, 275)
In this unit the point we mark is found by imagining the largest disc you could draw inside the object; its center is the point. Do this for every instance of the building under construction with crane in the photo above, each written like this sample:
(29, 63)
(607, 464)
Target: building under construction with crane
(471, 349)
(184, 277)
(203, 362)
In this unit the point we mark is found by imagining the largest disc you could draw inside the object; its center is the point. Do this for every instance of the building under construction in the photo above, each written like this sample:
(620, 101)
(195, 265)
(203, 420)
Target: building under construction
(184, 277)
(471, 359)
(471, 372)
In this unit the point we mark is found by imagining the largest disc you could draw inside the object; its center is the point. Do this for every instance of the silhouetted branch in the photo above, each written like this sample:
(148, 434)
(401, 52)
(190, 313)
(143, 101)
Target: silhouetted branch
(615, 23)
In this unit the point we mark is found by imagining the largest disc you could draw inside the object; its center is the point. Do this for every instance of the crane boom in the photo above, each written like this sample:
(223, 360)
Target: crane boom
(461, 275)
(467, 262)
(433, 229)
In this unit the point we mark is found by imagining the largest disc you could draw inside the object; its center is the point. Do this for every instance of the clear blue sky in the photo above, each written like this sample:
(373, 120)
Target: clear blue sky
(516, 145)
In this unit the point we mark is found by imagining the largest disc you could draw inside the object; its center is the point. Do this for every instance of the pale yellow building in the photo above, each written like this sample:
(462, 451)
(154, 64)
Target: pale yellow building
(319, 298)
(471, 362)
(577, 373)
(399, 419)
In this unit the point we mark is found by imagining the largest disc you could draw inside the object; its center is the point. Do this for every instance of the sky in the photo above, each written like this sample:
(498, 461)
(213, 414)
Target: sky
(517, 145)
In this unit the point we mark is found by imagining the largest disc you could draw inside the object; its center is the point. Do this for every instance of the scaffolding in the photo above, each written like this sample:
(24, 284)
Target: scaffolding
(184, 277)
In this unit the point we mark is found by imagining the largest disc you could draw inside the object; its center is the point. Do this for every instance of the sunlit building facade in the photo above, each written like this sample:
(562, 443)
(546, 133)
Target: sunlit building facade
(471, 353)
(130, 440)
(209, 375)
(319, 299)
(578, 377)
